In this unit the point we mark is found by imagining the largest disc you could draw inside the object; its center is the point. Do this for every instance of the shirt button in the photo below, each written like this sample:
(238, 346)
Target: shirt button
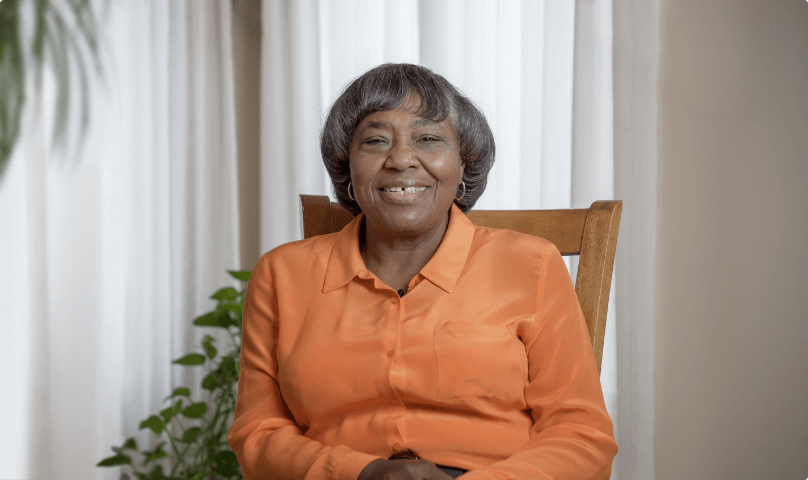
(397, 447)
(395, 299)
(390, 353)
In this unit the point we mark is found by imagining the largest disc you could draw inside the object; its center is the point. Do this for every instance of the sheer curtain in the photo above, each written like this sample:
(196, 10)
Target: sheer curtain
(540, 70)
(106, 253)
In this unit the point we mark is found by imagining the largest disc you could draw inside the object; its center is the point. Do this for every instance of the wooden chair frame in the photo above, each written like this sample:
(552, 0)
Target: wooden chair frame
(590, 233)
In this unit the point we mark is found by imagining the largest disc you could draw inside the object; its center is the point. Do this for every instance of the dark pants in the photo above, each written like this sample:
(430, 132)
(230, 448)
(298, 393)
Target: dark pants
(451, 471)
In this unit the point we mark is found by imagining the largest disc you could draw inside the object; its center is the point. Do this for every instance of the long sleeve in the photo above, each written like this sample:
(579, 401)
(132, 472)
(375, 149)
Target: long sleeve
(572, 434)
(264, 436)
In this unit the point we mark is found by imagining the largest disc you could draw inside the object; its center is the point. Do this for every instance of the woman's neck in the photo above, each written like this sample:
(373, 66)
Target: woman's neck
(397, 258)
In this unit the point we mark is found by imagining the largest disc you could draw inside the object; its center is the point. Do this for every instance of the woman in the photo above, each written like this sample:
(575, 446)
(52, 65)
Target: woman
(412, 344)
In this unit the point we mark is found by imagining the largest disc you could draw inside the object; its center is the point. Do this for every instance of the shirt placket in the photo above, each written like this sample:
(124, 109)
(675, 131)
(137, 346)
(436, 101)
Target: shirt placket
(396, 375)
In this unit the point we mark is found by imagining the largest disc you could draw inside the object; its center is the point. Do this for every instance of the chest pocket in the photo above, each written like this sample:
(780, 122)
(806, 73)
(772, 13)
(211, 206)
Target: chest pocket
(480, 362)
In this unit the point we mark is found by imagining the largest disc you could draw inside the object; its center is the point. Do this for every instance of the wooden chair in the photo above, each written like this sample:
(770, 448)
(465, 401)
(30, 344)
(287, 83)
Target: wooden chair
(590, 233)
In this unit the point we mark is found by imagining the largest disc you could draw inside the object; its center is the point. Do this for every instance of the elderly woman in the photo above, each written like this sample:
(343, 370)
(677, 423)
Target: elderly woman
(413, 344)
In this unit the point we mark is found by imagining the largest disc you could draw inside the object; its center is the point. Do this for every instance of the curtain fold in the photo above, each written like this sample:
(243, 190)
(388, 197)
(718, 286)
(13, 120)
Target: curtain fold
(110, 254)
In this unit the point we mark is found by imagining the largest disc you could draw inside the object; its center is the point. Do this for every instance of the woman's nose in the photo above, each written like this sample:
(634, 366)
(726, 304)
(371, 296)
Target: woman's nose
(401, 156)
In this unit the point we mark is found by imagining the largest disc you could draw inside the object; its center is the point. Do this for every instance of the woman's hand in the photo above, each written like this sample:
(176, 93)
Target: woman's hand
(402, 469)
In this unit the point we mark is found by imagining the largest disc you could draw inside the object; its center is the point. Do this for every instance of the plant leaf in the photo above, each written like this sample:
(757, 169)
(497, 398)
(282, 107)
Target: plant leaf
(213, 319)
(155, 456)
(226, 463)
(171, 411)
(179, 392)
(155, 423)
(190, 435)
(195, 410)
(232, 307)
(225, 294)
(243, 275)
(191, 359)
(211, 381)
(229, 367)
(129, 444)
(115, 461)
(207, 344)
(156, 473)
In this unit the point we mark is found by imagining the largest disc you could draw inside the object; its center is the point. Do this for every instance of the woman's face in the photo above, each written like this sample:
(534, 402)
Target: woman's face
(405, 170)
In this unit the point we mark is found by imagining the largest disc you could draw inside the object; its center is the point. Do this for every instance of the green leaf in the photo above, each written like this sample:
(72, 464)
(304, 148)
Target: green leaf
(232, 307)
(196, 410)
(225, 294)
(229, 367)
(156, 453)
(155, 423)
(226, 463)
(191, 434)
(115, 461)
(191, 359)
(207, 344)
(211, 381)
(179, 392)
(213, 319)
(156, 473)
(154, 456)
(243, 275)
(171, 411)
(130, 444)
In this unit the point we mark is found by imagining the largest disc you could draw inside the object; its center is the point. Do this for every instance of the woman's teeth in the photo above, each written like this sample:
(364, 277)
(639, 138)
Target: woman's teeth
(404, 189)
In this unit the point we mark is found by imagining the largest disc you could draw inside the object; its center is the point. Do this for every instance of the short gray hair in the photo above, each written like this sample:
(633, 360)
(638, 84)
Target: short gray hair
(386, 87)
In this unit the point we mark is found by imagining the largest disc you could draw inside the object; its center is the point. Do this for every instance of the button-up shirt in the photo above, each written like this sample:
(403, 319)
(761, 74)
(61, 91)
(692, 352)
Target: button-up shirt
(485, 364)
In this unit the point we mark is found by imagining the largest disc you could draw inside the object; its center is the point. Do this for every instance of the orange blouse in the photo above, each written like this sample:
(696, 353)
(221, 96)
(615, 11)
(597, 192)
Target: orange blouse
(485, 364)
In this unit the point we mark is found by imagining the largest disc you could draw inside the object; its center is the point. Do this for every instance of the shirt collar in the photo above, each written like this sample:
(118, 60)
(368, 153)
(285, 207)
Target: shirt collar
(443, 269)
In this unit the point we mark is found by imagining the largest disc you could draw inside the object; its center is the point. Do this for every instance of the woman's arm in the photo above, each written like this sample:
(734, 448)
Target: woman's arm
(264, 436)
(572, 435)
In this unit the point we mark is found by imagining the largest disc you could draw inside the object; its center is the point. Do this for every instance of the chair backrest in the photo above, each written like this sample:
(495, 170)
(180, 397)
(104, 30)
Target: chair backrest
(590, 233)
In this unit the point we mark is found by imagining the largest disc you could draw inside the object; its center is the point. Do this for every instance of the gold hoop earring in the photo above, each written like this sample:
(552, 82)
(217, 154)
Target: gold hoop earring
(462, 184)
(349, 192)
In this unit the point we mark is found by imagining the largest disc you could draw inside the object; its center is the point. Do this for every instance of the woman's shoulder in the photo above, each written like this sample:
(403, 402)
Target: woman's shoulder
(292, 253)
(511, 243)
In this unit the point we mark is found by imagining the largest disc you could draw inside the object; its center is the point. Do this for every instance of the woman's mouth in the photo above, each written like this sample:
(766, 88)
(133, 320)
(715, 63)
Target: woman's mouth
(403, 189)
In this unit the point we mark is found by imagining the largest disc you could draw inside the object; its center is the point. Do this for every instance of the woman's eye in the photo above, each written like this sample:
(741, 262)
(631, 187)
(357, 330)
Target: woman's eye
(374, 141)
(430, 139)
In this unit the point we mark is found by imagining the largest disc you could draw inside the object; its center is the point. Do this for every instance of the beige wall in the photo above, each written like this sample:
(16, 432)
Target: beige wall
(247, 70)
(732, 325)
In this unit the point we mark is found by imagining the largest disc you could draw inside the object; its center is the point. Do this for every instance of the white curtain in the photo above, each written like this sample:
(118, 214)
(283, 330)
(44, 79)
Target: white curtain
(540, 70)
(107, 253)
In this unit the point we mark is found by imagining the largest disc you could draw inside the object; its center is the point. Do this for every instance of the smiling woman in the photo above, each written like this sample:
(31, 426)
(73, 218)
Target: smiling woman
(413, 344)
(405, 172)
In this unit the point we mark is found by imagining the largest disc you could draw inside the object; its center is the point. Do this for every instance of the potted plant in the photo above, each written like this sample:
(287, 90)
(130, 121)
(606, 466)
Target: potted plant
(192, 435)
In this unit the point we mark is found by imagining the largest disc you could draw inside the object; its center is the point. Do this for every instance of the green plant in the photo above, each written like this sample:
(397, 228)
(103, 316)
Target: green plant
(65, 36)
(196, 431)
